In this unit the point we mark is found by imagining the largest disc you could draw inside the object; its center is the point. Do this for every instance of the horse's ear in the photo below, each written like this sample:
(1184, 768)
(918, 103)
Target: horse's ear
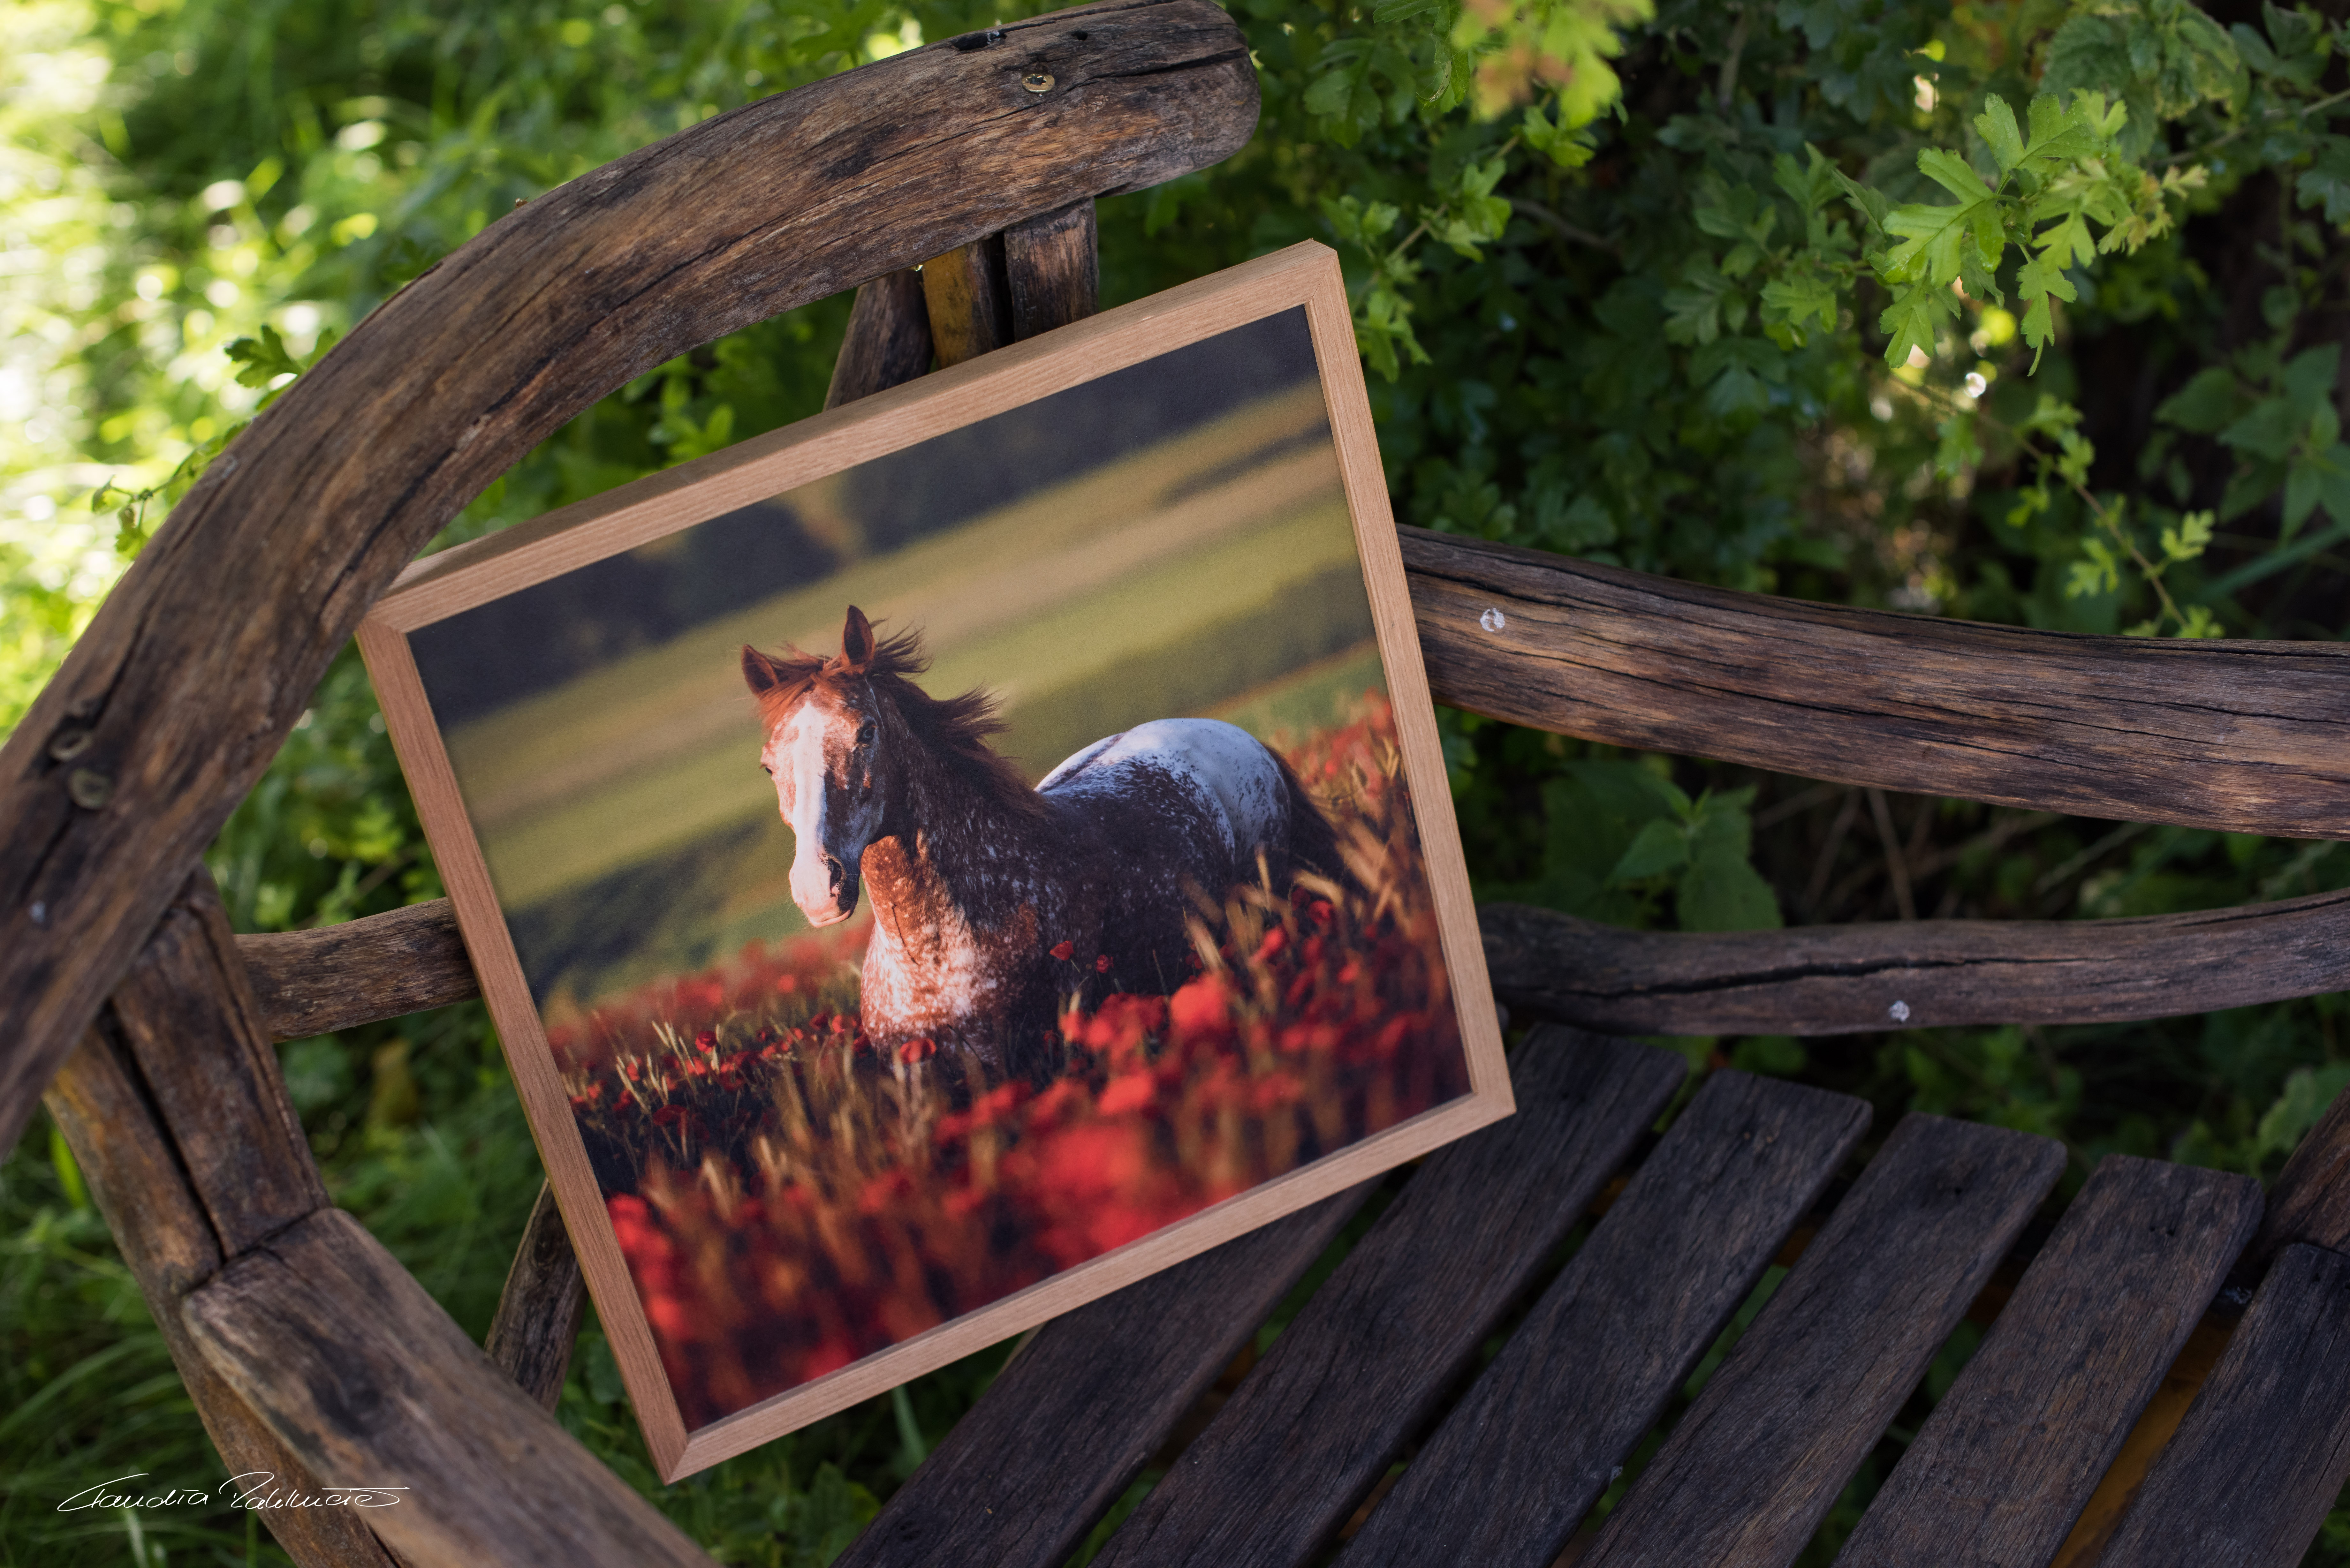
(856, 640)
(759, 672)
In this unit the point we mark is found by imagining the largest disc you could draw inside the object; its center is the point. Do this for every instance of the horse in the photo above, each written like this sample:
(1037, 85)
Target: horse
(992, 902)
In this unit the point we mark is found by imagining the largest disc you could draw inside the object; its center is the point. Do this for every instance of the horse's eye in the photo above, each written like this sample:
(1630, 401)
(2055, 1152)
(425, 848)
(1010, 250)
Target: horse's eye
(865, 734)
(767, 770)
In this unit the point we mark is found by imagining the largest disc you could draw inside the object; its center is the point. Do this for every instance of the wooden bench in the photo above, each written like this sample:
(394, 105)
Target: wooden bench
(2164, 1378)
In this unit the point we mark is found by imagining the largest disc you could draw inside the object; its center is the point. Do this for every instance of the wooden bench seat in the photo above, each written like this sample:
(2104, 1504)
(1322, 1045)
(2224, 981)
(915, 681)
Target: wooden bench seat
(2165, 1373)
(1509, 1473)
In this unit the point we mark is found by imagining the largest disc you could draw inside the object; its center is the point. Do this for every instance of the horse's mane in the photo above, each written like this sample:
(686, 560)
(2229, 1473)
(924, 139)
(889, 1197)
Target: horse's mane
(955, 728)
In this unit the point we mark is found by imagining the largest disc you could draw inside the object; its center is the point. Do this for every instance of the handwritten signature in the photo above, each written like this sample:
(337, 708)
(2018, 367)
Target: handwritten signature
(252, 1490)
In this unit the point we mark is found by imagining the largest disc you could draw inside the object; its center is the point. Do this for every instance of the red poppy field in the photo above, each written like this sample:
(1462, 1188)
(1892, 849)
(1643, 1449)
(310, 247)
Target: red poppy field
(790, 1200)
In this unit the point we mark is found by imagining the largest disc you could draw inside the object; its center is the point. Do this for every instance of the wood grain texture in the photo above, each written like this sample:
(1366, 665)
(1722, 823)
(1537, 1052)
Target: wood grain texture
(1843, 979)
(189, 1020)
(2311, 1200)
(362, 1374)
(2146, 1440)
(1053, 264)
(1357, 1370)
(540, 1309)
(1750, 1470)
(1521, 1459)
(180, 692)
(1070, 1423)
(969, 301)
(2001, 1469)
(1808, 979)
(338, 977)
(2260, 1459)
(2246, 736)
(889, 338)
(106, 1113)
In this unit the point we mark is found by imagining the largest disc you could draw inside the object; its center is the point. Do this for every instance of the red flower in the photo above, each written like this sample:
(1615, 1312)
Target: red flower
(1199, 1006)
(1101, 965)
(1274, 939)
(918, 1051)
(1064, 951)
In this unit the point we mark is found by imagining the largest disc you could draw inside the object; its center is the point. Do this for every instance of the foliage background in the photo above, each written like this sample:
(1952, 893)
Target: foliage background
(1643, 323)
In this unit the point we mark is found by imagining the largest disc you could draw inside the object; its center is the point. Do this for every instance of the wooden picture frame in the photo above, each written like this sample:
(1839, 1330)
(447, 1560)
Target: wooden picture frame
(470, 576)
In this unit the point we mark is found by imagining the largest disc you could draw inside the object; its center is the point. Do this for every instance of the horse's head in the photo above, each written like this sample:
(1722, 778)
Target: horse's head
(825, 751)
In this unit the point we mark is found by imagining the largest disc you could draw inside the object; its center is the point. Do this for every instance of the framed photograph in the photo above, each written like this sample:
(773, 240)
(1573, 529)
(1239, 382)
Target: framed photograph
(939, 863)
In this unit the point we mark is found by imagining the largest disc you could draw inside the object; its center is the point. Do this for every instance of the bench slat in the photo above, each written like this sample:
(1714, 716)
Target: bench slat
(2001, 1469)
(1071, 1421)
(1352, 1377)
(1753, 1465)
(2265, 1450)
(1518, 1463)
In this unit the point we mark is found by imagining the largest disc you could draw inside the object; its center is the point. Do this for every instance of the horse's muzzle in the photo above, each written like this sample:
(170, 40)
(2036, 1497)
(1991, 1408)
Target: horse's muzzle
(839, 901)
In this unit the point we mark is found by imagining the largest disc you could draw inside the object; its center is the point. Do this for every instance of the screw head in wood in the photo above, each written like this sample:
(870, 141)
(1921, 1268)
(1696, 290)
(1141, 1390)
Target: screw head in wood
(1898, 1012)
(89, 788)
(1492, 619)
(70, 744)
(1037, 81)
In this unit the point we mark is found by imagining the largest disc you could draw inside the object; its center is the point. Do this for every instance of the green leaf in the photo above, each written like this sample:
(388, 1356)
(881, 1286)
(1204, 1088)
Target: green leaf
(1721, 892)
(2301, 484)
(2000, 133)
(1661, 846)
(2188, 540)
(2268, 431)
(1910, 321)
(2038, 280)
(2205, 405)
(1954, 174)
(1933, 238)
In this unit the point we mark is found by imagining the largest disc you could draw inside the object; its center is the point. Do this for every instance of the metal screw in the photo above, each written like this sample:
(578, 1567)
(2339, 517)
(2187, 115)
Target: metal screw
(70, 744)
(40, 914)
(89, 788)
(1492, 619)
(1899, 1011)
(1037, 81)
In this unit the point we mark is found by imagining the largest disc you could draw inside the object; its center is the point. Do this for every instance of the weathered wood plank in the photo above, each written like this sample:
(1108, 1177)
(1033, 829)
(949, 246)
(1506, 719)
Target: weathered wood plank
(188, 1018)
(541, 1307)
(1520, 1460)
(2311, 1200)
(889, 338)
(1054, 266)
(1356, 1371)
(362, 1374)
(1811, 979)
(2003, 1468)
(108, 1116)
(969, 300)
(336, 977)
(1069, 1425)
(2245, 736)
(2260, 1459)
(1915, 974)
(183, 687)
(1750, 1468)
(2147, 1437)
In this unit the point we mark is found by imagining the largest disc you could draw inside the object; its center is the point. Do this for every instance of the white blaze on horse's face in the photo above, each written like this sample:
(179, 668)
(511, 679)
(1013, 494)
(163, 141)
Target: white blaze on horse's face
(823, 757)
